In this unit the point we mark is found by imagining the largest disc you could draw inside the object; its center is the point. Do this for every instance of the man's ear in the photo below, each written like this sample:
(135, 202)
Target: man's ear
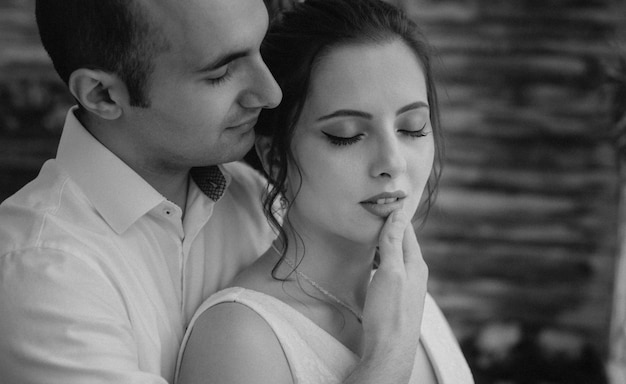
(99, 92)
(263, 145)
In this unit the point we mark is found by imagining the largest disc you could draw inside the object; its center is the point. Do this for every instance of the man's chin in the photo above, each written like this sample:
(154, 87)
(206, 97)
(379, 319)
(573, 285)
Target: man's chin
(239, 148)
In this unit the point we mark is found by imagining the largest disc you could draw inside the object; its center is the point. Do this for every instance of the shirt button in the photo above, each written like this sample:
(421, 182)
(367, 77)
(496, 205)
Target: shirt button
(167, 211)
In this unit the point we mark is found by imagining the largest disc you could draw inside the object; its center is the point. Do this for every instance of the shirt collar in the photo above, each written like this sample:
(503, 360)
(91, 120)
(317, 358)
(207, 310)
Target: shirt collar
(117, 192)
(210, 180)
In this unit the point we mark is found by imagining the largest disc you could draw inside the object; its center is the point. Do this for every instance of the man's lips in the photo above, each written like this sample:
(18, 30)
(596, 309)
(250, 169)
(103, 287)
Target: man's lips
(249, 123)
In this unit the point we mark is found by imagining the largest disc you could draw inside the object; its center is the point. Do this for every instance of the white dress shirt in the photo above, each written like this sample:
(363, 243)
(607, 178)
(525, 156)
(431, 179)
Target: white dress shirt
(99, 276)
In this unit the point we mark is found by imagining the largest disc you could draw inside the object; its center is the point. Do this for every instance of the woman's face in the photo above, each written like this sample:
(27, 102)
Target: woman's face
(364, 142)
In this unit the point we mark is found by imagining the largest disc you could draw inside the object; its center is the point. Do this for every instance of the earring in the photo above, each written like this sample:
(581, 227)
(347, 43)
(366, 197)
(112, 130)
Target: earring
(283, 202)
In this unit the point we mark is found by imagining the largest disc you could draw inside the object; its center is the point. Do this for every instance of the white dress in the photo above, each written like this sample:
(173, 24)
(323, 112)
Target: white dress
(316, 357)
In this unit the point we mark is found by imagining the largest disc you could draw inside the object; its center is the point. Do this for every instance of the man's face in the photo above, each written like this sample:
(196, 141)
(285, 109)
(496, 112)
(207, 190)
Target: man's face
(207, 90)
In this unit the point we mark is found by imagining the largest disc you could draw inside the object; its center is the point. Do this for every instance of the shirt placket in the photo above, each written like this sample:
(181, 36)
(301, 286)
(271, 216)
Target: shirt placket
(173, 215)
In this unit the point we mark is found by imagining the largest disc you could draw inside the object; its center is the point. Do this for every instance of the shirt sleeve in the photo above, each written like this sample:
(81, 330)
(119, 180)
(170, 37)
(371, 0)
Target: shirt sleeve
(62, 322)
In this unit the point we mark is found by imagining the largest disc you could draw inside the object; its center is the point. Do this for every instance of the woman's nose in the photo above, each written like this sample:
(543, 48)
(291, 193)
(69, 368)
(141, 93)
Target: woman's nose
(389, 160)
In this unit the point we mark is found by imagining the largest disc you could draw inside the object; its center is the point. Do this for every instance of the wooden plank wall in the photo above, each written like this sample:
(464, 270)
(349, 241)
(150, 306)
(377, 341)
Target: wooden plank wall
(617, 337)
(522, 243)
(33, 101)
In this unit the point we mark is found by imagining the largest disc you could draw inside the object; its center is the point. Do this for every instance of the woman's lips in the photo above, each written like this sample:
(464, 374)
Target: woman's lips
(382, 206)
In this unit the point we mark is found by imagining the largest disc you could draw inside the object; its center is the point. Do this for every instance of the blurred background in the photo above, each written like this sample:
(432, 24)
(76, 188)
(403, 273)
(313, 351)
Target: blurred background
(527, 243)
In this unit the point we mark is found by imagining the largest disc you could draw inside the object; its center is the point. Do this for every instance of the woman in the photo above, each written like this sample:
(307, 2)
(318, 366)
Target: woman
(348, 153)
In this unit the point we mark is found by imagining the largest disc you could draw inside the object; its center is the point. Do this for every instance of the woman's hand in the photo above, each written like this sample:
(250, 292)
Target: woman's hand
(394, 305)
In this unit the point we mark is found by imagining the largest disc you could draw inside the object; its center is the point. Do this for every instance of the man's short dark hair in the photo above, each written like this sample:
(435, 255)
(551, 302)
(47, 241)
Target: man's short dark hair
(115, 36)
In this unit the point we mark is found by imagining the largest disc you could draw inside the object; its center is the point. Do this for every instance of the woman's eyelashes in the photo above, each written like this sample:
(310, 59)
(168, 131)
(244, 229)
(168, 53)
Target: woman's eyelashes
(341, 140)
(415, 133)
(338, 140)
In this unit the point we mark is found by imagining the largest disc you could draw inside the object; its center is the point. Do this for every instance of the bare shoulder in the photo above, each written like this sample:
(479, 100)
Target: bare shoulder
(231, 343)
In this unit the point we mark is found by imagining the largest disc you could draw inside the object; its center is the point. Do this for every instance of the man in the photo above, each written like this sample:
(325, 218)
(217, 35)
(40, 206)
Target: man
(105, 256)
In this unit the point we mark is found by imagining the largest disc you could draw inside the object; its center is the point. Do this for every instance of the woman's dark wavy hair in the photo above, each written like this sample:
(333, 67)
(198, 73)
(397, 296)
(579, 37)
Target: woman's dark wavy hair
(110, 35)
(297, 39)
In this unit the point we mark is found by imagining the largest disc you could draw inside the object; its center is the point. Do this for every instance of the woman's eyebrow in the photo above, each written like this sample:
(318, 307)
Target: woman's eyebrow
(346, 113)
(365, 115)
(412, 106)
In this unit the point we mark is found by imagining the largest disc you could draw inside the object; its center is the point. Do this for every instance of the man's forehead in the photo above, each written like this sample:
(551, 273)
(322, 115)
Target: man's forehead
(164, 11)
(205, 32)
(213, 20)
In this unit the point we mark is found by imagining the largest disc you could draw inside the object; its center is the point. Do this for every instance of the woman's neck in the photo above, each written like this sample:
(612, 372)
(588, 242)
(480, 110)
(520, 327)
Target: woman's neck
(341, 267)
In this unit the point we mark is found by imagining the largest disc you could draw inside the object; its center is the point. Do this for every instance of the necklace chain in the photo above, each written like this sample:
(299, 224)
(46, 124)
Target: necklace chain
(315, 285)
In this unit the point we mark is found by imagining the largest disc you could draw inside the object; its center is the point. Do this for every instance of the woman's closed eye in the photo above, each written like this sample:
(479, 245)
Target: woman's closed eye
(339, 140)
(415, 133)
